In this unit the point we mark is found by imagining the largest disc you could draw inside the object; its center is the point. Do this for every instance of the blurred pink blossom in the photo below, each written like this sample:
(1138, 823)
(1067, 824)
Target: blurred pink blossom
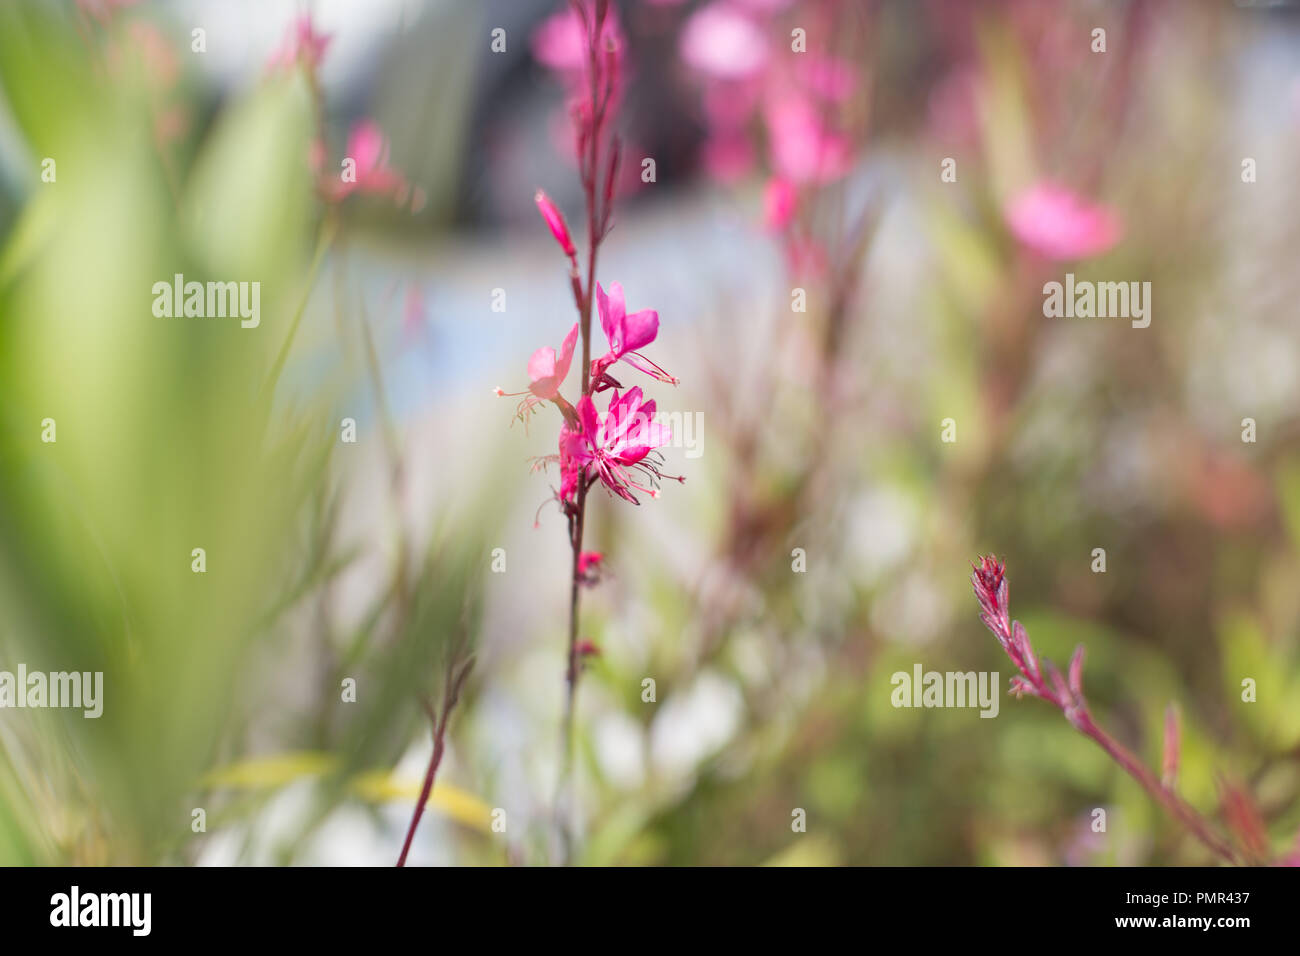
(722, 42)
(804, 149)
(587, 67)
(796, 97)
(560, 41)
(301, 44)
(1059, 224)
(560, 44)
(369, 173)
(780, 203)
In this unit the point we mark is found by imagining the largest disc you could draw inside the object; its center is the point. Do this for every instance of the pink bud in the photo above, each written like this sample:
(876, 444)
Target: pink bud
(1058, 683)
(1021, 640)
(1076, 674)
(555, 219)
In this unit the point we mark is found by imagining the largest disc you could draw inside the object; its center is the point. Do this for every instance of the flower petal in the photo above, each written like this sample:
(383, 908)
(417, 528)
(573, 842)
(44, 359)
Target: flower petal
(639, 330)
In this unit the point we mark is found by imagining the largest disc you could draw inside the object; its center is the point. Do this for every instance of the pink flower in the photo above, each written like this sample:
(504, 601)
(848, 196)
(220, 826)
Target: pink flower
(368, 172)
(547, 372)
(797, 99)
(803, 148)
(613, 448)
(780, 203)
(555, 219)
(722, 42)
(625, 334)
(1059, 224)
(301, 44)
(571, 466)
(560, 42)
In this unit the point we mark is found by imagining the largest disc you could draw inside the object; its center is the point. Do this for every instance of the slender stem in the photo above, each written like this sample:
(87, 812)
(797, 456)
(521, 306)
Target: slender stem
(579, 525)
(425, 789)
(571, 676)
(329, 228)
(1176, 806)
(992, 592)
(597, 222)
(455, 679)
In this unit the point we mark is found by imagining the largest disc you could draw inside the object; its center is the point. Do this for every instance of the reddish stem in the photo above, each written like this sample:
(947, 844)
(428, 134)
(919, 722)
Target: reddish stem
(597, 225)
(1178, 808)
(452, 693)
(1041, 679)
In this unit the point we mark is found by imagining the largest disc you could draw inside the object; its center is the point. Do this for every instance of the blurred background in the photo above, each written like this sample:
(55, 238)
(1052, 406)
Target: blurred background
(821, 539)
